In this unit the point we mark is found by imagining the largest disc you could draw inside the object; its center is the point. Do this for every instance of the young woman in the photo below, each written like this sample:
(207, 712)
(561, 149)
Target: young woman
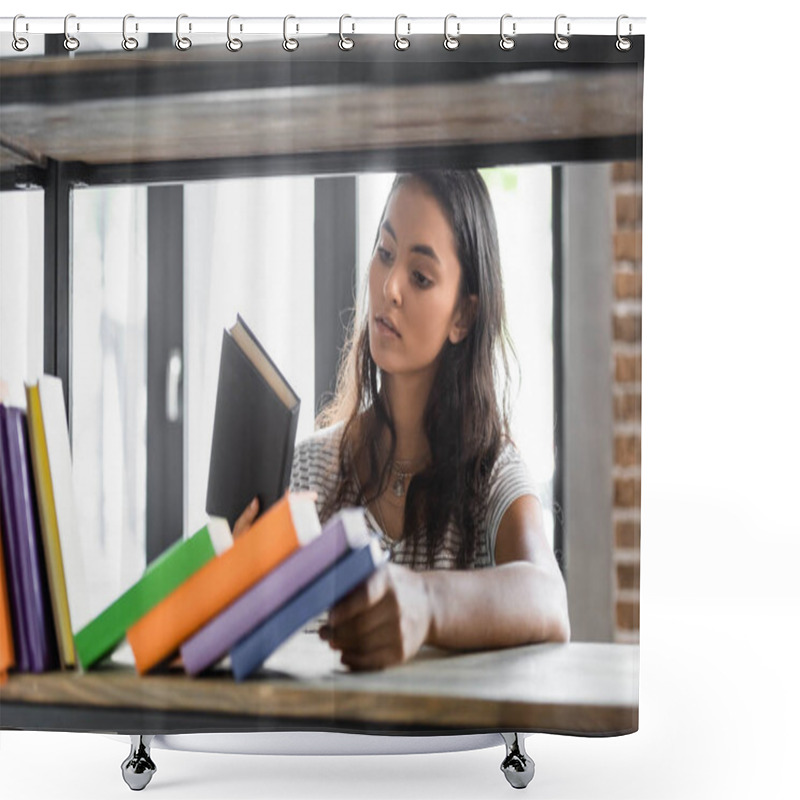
(416, 434)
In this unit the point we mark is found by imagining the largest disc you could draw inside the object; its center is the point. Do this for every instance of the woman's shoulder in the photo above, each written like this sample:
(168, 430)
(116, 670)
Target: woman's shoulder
(322, 437)
(508, 457)
(322, 444)
(509, 480)
(509, 475)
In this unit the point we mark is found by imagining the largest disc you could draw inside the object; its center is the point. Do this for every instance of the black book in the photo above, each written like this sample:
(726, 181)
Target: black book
(255, 424)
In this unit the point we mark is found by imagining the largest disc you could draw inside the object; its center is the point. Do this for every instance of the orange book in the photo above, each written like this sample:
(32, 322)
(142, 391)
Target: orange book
(6, 637)
(291, 523)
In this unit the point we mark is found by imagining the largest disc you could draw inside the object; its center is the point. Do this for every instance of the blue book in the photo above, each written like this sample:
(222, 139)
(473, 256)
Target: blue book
(344, 576)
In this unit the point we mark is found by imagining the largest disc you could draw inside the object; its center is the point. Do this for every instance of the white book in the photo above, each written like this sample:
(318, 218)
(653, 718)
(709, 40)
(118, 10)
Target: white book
(56, 433)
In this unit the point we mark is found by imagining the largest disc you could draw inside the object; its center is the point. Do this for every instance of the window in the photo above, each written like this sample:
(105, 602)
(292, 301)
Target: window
(109, 382)
(21, 299)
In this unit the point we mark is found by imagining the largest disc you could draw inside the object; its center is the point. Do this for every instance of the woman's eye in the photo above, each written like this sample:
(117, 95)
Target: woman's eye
(384, 254)
(421, 280)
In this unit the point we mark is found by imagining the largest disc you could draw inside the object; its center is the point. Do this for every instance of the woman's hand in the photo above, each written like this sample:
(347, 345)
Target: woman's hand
(246, 518)
(384, 621)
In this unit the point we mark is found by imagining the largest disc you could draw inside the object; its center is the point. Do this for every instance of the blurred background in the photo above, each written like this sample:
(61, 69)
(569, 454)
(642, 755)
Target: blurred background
(261, 195)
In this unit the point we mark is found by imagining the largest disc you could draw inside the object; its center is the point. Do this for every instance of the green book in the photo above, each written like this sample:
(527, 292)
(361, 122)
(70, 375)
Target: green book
(177, 563)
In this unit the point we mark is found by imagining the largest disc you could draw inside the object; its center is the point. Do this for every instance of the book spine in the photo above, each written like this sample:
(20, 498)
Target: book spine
(175, 565)
(6, 637)
(219, 635)
(291, 436)
(59, 457)
(326, 591)
(49, 527)
(268, 541)
(36, 638)
(19, 611)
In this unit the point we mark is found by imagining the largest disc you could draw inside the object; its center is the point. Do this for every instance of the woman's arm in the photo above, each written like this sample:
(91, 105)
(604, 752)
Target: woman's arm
(520, 601)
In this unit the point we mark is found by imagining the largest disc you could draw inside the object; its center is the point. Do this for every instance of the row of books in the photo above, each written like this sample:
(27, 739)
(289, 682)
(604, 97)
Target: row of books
(248, 596)
(38, 535)
(205, 597)
(208, 595)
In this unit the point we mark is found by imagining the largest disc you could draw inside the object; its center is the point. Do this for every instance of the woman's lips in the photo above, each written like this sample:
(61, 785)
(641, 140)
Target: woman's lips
(385, 329)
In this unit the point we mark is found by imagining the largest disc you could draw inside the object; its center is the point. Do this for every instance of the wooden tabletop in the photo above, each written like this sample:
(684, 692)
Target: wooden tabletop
(576, 688)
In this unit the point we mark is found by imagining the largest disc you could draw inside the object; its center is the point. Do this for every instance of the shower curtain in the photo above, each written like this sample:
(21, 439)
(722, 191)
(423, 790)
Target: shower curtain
(154, 193)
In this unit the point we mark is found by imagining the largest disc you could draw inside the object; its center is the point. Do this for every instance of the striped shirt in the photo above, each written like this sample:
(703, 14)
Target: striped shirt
(315, 467)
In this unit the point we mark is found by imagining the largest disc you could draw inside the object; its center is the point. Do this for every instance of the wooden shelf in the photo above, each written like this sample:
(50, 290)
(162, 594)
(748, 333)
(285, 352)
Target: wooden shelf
(121, 108)
(575, 688)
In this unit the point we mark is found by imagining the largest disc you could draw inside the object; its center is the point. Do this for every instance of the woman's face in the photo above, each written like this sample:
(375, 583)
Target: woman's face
(414, 279)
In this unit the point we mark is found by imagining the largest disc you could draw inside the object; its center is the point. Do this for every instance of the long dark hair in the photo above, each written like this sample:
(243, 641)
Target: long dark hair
(465, 421)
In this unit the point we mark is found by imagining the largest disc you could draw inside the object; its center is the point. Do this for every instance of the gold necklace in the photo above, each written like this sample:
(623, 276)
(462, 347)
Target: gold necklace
(402, 470)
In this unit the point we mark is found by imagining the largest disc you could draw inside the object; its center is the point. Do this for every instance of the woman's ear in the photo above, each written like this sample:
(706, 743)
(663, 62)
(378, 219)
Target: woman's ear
(464, 319)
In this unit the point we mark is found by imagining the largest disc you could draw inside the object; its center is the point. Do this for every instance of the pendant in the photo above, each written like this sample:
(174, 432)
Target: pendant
(399, 486)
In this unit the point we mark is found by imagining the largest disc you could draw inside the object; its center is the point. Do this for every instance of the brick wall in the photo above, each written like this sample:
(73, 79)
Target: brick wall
(627, 371)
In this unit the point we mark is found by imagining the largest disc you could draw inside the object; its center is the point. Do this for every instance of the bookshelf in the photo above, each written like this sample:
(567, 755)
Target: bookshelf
(242, 123)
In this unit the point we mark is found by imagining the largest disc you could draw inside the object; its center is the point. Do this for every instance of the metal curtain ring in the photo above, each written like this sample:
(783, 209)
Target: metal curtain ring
(289, 44)
(506, 41)
(182, 42)
(451, 42)
(70, 42)
(561, 43)
(233, 44)
(623, 44)
(344, 42)
(400, 42)
(128, 42)
(19, 44)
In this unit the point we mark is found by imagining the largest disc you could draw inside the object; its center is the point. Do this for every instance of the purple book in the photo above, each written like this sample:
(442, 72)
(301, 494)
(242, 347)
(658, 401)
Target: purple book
(345, 531)
(32, 618)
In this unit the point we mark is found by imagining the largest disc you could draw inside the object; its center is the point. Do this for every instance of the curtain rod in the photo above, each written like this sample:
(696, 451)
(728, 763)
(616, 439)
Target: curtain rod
(510, 26)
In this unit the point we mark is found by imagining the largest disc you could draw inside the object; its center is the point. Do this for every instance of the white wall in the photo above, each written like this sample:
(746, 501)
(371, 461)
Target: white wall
(21, 298)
